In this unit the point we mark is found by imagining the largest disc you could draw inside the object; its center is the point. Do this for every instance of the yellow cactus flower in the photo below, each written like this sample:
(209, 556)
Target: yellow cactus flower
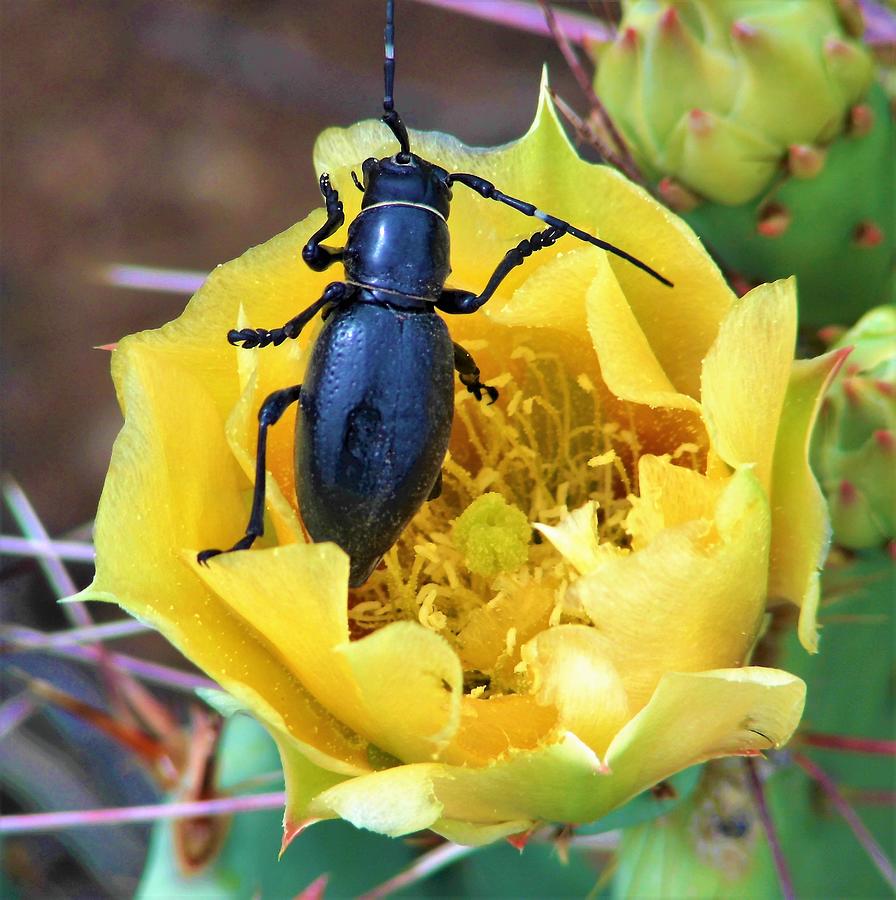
(646, 479)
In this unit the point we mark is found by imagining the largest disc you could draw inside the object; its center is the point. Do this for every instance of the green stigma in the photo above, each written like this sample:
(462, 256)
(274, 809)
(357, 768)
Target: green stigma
(493, 535)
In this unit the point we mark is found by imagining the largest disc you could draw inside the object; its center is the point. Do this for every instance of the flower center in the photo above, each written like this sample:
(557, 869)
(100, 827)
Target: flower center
(471, 566)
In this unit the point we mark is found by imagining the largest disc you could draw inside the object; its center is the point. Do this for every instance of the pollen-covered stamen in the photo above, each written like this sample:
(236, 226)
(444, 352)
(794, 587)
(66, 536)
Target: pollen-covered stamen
(543, 451)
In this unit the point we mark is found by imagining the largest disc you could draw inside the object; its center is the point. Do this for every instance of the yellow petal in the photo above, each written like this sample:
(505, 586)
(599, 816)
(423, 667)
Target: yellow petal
(482, 642)
(691, 718)
(571, 670)
(628, 363)
(392, 802)
(398, 687)
(690, 600)
(174, 487)
(670, 495)
(410, 682)
(703, 715)
(242, 438)
(553, 294)
(575, 537)
(490, 728)
(745, 376)
(560, 783)
(800, 523)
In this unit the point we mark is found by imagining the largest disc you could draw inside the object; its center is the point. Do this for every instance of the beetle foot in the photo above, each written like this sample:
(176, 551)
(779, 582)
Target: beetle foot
(203, 557)
(250, 338)
(478, 387)
(244, 543)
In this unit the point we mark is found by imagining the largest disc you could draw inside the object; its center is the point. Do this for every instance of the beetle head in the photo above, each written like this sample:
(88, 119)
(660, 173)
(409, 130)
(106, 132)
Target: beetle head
(406, 178)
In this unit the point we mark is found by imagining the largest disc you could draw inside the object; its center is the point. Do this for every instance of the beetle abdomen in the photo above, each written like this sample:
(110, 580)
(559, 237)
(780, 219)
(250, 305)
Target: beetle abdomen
(376, 410)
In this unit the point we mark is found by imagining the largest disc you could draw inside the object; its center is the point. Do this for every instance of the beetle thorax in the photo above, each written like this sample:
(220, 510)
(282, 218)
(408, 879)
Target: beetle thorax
(406, 179)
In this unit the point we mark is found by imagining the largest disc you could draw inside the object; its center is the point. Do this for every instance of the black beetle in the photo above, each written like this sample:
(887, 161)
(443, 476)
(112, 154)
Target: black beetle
(378, 397)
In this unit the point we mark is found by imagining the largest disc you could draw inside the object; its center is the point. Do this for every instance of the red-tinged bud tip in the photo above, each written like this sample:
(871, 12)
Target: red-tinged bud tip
(848, 493)
(885, 439)
(804, 160)
(834, 46)
(831, 333)
(520, 839)
(887, 388)
(743, 31)
(861, 120)
(676, 196)
(669, 20)
(867, 234)
(851, 390)
(774, 220)
(699, 122)
(628, 38)
(291, 830)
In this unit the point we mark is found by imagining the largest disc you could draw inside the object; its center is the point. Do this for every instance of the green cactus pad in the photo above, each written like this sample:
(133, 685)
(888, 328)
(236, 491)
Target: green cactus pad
(837, 276)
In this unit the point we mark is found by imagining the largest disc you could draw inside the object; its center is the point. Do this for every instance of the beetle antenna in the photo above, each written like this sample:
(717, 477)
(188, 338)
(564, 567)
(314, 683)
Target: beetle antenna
(390, 116)
(490, 192)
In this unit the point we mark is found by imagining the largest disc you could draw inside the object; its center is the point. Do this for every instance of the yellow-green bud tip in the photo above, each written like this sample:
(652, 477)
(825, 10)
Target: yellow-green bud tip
(493, 535)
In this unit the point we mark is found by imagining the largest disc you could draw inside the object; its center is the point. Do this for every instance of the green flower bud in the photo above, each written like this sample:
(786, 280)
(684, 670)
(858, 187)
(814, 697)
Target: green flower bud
(854, 449)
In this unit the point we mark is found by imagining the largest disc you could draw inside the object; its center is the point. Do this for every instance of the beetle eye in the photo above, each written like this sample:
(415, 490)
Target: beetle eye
(370, 163)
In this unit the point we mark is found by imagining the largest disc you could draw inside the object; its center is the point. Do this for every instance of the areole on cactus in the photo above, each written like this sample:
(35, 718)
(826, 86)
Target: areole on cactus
(753, 119)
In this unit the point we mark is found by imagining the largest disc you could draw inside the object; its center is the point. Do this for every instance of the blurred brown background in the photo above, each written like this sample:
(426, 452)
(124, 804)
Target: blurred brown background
(177, 134)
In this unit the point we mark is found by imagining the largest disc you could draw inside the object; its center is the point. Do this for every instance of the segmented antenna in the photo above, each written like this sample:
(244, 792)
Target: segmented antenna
(390, 116)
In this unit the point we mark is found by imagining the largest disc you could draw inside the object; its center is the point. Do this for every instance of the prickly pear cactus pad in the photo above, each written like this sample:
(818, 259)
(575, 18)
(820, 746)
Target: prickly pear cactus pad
(757, 121)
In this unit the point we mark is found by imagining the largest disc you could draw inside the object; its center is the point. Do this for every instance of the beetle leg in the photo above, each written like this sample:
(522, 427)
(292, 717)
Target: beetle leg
(454, 301)
(469, 375)
(271, 411)
(436, 488)
(249, 338)
(317, 256)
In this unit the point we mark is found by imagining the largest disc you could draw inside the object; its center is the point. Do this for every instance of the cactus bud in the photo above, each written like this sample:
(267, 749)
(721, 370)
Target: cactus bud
(854, 447)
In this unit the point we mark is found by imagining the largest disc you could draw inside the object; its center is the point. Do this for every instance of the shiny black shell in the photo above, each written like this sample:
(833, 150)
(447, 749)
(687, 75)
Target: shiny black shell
(376, 409)
(405, 249)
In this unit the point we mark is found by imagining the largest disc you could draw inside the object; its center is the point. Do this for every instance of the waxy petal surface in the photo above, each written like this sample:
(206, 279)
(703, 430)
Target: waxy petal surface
(173, 487)
(692, 718)
(692, 599)
(745, 376)
(801, 530)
